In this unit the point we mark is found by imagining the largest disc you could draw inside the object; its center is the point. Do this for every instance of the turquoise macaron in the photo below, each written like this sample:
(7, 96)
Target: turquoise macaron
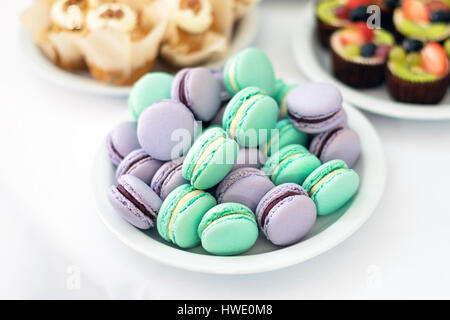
(283, 135)
(149, 89)
(293, 163)
(250, 116)
(249, 68)
(331, 186)
(228, 229)
(282, 90)
(181, 213)
(210, 159)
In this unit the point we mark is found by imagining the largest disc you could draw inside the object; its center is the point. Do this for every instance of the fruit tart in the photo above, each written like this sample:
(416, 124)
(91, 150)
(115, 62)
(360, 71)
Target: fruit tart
(332, 15)
(416, 73)
(425, 20)
(198, 30)
(359, 54)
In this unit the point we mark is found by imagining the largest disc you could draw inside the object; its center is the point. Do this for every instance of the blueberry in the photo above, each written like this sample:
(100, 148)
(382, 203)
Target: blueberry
(391, 4)
(440, 16)
(368, 50)
(412, 45)
(359, 14)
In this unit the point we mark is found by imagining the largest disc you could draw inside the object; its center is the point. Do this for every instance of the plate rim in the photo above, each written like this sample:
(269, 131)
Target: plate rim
(45, 68)
(312, 69)
(350, 221)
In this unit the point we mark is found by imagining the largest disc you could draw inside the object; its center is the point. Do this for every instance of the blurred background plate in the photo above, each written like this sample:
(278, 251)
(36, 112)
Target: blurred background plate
(314, 62)
(327, 233)
(245, 32)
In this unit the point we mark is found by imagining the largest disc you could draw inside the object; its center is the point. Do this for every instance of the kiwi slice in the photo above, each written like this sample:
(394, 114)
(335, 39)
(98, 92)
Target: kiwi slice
(411, 74)
(432, 31)
(325, 11)
(383, 37)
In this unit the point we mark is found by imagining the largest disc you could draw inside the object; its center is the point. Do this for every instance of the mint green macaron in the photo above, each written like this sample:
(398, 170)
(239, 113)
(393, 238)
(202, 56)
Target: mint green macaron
(147, 90)
(210, 159)
(281, 92)
(228, 229)
(249, 68)
(331, 186)
(181, 213)
(293, 163)
(283, 135)
(249, 117)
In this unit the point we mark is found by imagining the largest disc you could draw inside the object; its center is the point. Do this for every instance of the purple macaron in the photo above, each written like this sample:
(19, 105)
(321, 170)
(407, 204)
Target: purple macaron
(315, 107)
(286, 214)
(338, 143)
(139, 164)
(218, 74)
(121, 141)
(249, 157)
(166, 131)
(135, 201)
(199, 90)
(168, 177)
(245, 186)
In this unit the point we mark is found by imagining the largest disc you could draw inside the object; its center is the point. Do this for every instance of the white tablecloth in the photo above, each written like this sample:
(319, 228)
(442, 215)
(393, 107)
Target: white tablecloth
(53, 244)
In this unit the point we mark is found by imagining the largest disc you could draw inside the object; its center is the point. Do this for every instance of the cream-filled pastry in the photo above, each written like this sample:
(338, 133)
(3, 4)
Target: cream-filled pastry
(193, 16)
(68, 14)
(112, 16)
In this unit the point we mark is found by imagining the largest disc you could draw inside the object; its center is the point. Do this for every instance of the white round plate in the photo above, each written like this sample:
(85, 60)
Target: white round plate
(244, 34)
(328, 231)
(314, 62)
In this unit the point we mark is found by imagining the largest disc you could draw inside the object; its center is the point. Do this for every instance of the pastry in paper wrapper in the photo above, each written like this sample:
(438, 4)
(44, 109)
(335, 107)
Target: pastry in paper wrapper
(57, 26)
(241, 7)
(198, 30)
(123, 38)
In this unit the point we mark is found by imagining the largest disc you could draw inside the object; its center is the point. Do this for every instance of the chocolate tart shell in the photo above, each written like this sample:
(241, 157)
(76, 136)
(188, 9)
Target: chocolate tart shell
(357, 75)
(324, 32)
(416, 92)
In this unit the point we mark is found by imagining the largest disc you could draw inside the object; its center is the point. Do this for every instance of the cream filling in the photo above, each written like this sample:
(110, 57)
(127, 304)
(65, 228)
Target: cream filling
(283, 107)
(242, 109)
(183, 201)
(275, 172)
(70, 18)
(323, 180)
(225, 217)
(125, 21)
(191, 21)
(209, 149)
(231, 77)
(277, 136)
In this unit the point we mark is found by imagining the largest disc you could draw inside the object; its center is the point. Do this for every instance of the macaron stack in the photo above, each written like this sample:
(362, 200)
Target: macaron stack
(250, 169)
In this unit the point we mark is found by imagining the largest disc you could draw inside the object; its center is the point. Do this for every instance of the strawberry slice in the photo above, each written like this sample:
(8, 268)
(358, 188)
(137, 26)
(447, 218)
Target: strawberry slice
(364, 30)
(436, 5)
(434, 59)
(416, 10)
(352, 36)
(352, 4)
(342, 12)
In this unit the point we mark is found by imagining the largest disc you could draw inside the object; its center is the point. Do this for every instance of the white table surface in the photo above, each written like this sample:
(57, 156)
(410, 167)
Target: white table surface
(53, 244)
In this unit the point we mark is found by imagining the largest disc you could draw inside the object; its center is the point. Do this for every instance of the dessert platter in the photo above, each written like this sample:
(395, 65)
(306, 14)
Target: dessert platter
(399, 69)
(236, 171)
(103, 47)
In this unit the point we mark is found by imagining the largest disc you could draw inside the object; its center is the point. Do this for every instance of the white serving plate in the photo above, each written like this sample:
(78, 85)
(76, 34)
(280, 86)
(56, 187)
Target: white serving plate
(327, 233)
(244, 34)
(314, 62)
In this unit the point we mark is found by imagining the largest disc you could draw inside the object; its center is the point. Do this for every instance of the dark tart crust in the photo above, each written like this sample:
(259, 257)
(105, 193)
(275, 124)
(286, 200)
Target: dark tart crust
(357, 75)
(324, 32)
(416, 92)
